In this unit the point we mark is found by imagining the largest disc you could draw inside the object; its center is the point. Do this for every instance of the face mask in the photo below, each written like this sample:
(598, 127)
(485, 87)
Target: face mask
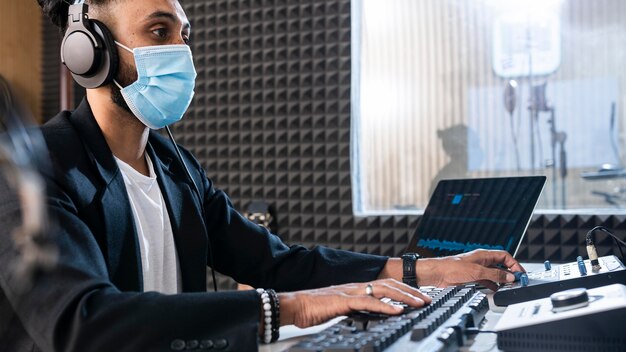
(165, 83)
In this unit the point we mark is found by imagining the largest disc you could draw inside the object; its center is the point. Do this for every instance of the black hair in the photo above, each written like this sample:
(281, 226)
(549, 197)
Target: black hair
(57, 10)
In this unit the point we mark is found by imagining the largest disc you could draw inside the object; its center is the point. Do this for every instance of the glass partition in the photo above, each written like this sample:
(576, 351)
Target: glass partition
(462, 89)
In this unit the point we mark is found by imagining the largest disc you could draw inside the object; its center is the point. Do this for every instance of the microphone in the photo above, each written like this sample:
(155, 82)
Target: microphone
(510, 96)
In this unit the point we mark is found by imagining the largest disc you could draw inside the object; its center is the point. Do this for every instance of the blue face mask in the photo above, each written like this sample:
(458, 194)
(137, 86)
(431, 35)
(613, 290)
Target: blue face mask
(165, 83)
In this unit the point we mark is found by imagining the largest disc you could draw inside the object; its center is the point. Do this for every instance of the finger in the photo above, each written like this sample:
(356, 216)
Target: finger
(495, 275)
(406, 288)
(511, 262)
(372, 304)
(501, 257)
(516, 267)
(488, 284)
(384, 290)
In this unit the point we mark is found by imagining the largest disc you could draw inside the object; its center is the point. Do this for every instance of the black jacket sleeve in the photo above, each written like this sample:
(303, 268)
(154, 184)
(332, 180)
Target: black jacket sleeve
(271, 263)
(74, 306)
(252, 255)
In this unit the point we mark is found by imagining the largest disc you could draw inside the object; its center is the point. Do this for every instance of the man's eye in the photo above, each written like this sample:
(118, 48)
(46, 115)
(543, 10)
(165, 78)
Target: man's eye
(160, 32)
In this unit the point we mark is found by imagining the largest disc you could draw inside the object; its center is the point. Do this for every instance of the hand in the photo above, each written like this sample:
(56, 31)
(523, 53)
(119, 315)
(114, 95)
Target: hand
(313, 307)
(475, 266)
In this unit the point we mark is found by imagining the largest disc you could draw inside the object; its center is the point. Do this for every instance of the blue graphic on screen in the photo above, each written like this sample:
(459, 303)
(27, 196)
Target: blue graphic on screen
(461, 247)
(464, 215)
(455, 246)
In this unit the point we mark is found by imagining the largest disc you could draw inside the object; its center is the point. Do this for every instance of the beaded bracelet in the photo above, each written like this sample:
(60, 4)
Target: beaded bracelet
(275, 314)
(267, 315)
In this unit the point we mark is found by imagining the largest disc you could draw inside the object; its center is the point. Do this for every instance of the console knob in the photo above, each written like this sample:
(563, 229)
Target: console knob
(581, 266)
(523, 279)
(569, 299)
(547, 265)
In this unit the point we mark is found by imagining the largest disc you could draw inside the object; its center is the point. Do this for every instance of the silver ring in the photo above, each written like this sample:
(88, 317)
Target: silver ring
(369, 290)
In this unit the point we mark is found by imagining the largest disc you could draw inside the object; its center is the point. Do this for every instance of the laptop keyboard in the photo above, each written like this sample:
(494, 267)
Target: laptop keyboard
(436, 327)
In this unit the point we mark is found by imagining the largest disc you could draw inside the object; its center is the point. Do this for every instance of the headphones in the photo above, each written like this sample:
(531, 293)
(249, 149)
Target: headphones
(88, 49)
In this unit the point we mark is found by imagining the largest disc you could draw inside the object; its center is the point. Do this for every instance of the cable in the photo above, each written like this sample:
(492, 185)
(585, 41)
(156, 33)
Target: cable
(197, 190)
(476, 331)
(589, 241)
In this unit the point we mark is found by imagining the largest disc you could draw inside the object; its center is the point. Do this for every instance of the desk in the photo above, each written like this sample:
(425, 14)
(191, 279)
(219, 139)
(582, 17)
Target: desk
(290, 334)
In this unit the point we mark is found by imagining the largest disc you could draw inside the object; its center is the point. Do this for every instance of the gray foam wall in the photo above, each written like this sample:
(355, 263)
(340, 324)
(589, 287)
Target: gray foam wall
(271, 121)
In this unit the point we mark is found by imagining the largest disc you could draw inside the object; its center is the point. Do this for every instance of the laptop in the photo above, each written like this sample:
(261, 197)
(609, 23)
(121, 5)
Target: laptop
(467, 214)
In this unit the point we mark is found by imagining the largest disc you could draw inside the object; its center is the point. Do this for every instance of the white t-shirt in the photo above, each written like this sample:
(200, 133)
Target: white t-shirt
(159, 259)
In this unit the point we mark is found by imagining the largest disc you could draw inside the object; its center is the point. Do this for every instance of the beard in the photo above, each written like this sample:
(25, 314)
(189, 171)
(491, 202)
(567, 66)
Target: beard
(126, 75)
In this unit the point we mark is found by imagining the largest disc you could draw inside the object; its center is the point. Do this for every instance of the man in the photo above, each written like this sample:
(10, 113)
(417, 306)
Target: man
(135, 237)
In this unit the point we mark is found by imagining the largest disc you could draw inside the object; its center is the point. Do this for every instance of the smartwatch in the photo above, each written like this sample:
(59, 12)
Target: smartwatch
(408, 269)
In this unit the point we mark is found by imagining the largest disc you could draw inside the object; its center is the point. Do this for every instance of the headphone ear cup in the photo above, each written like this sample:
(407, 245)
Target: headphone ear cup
(105, 56)
(110, 49)
(81, 51)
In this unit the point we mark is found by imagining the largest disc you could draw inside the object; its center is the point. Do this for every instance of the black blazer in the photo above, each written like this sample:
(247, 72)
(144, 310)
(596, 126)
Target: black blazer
(93, 301)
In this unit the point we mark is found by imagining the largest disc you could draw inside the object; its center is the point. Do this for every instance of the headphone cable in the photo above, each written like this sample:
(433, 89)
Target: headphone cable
(197, 190)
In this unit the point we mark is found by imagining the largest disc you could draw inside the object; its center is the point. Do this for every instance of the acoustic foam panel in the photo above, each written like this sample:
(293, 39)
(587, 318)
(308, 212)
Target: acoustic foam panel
(271, 121)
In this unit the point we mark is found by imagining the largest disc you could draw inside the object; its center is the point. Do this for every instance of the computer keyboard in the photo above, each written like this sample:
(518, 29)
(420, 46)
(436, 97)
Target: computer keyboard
(438, 326)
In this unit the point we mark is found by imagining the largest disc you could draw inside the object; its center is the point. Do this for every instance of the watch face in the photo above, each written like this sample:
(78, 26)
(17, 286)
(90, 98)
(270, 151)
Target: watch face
(408, 261)
(410, 256)
(408, 269)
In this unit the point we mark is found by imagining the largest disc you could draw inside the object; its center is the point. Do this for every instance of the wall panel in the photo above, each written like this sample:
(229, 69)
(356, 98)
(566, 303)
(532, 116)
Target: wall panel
(271, 121)
(20, 51)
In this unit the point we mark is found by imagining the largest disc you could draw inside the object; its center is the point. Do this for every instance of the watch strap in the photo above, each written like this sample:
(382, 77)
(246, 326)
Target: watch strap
(409, 276)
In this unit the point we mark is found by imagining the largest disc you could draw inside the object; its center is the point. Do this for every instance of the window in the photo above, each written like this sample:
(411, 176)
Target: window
(459, 89)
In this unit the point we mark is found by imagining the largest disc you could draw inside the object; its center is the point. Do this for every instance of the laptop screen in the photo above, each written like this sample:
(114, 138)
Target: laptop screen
(463, 215)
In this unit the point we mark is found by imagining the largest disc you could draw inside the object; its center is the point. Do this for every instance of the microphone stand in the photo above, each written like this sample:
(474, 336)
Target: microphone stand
(534, 114)
(533, 117)
(557, 140)
(563, 158)
(558, 137)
